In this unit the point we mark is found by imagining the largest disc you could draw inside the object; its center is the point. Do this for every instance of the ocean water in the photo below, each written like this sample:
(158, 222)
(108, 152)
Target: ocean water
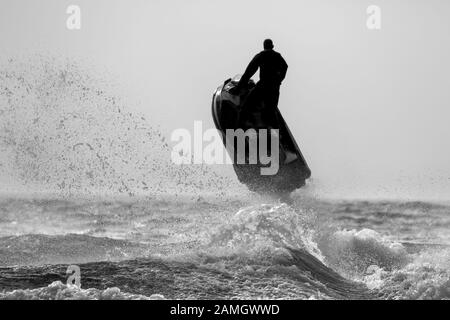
(184, 249)
(87, 182)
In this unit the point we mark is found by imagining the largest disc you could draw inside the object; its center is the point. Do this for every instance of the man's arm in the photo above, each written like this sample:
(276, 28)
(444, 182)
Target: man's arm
(249, 72)
(283, 70)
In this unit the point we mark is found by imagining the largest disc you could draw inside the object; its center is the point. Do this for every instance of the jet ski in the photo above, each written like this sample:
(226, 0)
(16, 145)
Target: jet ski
(230, 110)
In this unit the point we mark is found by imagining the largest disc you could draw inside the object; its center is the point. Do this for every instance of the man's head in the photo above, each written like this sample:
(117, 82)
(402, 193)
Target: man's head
(268, 44)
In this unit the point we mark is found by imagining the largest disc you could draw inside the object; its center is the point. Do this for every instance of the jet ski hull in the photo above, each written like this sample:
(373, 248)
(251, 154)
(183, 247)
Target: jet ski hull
(228, 113)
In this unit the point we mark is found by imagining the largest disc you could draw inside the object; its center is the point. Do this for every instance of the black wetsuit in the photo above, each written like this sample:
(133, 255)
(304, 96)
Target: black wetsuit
(272, 71)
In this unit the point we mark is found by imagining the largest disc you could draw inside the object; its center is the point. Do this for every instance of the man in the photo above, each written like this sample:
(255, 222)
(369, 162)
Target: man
(272, 71)
(264, 97)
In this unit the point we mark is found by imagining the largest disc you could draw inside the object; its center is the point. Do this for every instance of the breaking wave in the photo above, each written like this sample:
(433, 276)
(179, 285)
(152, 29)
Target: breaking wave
(272, 251)
(342, 263)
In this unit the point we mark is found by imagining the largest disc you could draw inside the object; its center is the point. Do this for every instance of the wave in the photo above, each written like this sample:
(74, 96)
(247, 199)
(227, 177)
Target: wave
(272, 251)
(426, 277)
(355, 264)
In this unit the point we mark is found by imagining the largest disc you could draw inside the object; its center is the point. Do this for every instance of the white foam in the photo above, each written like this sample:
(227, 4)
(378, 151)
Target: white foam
(59, 291)
(354, 251)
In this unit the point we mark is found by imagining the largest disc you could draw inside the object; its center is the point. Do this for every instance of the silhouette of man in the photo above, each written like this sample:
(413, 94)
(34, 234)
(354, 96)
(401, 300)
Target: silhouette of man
(264, 97)
(272, 71)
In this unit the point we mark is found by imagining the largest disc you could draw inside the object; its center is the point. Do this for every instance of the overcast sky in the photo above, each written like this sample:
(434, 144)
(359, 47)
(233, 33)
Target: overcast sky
(370, 108)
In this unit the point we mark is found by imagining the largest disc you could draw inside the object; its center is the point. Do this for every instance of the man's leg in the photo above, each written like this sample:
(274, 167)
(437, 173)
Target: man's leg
(252, 107)
(271, 97)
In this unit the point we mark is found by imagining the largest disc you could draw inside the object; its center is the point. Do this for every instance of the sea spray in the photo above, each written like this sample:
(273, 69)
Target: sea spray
(263, 226)
(62, 129)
